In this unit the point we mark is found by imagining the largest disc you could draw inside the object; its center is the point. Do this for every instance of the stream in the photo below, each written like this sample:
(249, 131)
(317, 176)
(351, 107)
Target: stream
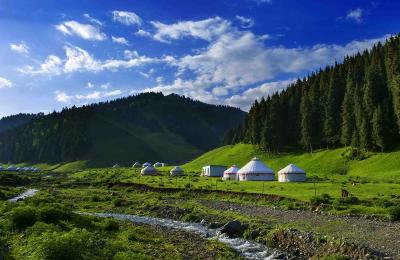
(26, 194)
(248, 249)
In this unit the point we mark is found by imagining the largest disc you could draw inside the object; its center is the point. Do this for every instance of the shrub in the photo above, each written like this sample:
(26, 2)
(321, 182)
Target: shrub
(111, 225)
(117, 202)
(50, 214)
(349, 200)
(322, 199)
(394, 213)
(62, 245)
(23, 217)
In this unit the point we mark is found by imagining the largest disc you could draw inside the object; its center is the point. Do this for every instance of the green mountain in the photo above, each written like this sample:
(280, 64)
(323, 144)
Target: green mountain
(355, 103)
(11, 122)
(147, 127)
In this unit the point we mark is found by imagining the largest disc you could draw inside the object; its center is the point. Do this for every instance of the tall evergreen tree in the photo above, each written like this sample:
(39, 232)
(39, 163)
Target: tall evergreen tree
(348, 120)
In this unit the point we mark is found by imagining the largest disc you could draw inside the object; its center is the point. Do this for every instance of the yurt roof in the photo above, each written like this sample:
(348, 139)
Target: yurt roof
(146, 164)
(148, 169)
(292, 168)
(232, 169)
(255, 166)
(177, 169)
(157, 164)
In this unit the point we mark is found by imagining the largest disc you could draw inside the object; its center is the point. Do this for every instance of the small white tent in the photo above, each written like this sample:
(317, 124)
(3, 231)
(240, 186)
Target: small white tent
(148, 170)
(292, 173)
(1, 168)
(231, 173)
(158, 164)
(136, 165)
(12, 168)
(177, 171)
(146, 164)
(255, 170)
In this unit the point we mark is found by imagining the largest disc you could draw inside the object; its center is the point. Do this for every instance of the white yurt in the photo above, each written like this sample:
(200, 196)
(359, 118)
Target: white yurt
(231, 173)
(256, 170)
(148, 170)
(146, 164)
(158, 164)
(116, 166)
(177, 171)
(136, 165)
(11, 168)
(292, 173)
(1, 168)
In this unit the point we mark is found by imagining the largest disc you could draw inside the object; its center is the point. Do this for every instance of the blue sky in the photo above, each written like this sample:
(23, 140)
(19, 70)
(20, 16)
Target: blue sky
(62, 53)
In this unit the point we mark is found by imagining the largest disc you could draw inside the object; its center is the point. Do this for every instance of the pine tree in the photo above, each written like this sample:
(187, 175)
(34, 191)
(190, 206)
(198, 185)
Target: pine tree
(348, 121)
(378, 126)
(306, 124)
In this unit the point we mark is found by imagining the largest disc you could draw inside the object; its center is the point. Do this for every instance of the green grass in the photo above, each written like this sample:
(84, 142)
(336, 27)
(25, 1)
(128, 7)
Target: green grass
(381, 167)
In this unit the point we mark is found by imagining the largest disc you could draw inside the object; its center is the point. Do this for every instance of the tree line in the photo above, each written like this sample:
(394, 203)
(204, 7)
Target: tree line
(355, 103)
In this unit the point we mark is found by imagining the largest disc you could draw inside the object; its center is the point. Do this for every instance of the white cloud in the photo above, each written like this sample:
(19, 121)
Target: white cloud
(78, 59)
(5, 83)
(247, 98)
(91, 96)
(355, 15)
(143, 33)
(126, 18)
(85, 31)
(21, 48)
(235, 60)
(120, 40)
(62, 97)
(93, 20)
(207, 29)
(52, 65)
(112, 93)
(245, 22)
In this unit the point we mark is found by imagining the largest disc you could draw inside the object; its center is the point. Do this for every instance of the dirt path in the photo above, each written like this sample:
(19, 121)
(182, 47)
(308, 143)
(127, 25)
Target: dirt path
(379, 235)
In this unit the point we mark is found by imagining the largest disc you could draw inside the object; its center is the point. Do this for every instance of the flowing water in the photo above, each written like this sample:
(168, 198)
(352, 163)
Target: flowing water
(24, 195)
(248, 249)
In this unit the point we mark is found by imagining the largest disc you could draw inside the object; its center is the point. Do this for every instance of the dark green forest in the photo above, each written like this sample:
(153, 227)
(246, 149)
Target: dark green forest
(355, 104)
(145, 127)
(10, 122)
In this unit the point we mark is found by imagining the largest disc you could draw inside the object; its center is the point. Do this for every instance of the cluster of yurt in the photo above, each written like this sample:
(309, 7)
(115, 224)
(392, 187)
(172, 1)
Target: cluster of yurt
(177, 171)
(13, 168)
(256, 170)
(149, 170)
(231, 173)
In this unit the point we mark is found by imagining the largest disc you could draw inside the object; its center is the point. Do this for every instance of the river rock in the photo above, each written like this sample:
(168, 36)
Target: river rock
(232, 228)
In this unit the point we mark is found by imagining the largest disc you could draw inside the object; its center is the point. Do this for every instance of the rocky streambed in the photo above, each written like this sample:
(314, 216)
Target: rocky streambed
(247, 249)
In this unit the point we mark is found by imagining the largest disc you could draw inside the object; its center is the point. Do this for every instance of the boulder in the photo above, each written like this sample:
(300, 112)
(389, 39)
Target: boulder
(232, 228)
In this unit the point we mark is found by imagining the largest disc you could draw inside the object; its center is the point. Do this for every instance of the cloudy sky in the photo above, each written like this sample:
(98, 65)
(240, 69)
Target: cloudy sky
(55, 54)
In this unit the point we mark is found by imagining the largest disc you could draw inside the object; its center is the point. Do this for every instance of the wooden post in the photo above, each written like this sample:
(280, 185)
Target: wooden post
(263, 188)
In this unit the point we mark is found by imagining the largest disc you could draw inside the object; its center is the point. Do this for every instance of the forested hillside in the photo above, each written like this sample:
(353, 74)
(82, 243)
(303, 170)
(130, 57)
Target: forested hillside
(10, 122)
(355, 103)
(146, 127)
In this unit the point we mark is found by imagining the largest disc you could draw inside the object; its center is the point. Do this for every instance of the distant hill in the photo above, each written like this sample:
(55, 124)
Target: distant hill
(10, 122)
(147, 127)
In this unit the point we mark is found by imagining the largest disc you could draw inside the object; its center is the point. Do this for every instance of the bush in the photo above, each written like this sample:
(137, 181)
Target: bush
(349, 200)
(50, 214)
(117, 202)
(71, 245)
(23, 217)
(322, 199)
(394, 213)
(111, 225)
